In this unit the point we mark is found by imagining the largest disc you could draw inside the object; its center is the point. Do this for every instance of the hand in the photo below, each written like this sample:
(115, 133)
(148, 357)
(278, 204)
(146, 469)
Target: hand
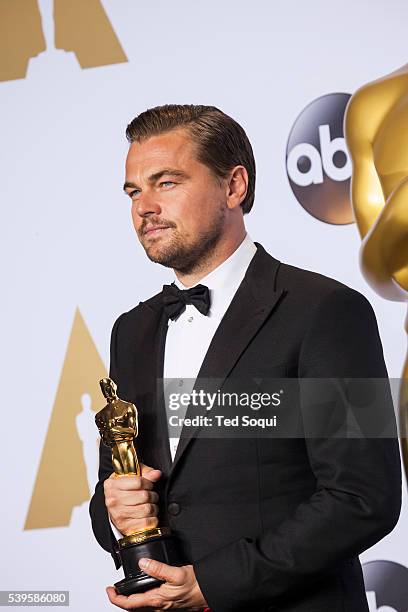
(130, 500)
(179, 591)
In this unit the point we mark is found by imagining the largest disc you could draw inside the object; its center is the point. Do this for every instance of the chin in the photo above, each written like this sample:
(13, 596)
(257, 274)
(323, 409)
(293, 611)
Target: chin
(156, 254)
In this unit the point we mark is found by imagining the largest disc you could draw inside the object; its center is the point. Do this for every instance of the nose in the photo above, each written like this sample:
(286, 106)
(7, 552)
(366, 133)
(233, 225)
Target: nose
(146, 204)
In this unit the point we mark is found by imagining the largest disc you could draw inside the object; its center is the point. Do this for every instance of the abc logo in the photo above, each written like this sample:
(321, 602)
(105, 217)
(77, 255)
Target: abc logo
(317, 160)
(386, 586)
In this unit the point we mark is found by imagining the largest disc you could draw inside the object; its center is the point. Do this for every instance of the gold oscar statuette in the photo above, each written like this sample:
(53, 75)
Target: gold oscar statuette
(118, 427)
(376, 133)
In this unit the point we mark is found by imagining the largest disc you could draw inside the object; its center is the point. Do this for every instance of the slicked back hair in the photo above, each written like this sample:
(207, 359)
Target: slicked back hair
(221, 143)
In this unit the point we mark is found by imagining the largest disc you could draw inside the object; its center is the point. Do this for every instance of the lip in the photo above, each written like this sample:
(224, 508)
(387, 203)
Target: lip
(153, 230)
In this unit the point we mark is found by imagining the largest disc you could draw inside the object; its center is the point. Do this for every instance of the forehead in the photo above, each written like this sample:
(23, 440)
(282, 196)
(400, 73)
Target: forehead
(173, 147)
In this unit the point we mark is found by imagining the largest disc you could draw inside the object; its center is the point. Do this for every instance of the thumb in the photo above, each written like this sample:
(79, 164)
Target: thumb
(168, 573)
(150, 473)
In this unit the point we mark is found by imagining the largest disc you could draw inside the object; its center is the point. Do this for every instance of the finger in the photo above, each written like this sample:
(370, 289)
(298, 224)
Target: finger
(150, 473)
(128, 482)
(162, 571)
(140, 511)
(137, 498)
(138, 601)
(117, 600)
(118, 499)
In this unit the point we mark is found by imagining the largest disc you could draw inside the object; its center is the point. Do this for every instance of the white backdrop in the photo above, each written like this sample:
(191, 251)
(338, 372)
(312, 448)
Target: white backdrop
(68, 242)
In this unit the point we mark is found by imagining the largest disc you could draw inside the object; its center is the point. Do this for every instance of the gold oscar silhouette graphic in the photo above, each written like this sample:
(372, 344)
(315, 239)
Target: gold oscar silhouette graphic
(29, 28)
(54, 499)
(376, 130)
(117, 424)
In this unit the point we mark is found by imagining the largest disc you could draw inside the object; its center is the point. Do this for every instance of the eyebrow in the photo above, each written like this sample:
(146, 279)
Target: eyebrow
(156, 176)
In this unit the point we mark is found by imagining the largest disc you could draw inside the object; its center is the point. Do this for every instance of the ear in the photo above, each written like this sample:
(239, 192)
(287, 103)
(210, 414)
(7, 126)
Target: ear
(237, 186)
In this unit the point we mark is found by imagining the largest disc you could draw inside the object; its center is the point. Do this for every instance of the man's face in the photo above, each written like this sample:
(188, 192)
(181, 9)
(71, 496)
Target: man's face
(178, 205)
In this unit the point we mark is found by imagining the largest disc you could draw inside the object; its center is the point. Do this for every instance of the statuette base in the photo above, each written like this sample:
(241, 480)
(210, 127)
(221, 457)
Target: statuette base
(161, 548)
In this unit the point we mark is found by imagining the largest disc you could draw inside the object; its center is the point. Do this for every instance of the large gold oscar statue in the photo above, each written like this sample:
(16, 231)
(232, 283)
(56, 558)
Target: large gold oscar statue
(117, 424)
(118, 427)
(376, 130)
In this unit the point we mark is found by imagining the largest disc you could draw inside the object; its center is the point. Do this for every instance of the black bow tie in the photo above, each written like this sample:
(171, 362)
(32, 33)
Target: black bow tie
(175, 299)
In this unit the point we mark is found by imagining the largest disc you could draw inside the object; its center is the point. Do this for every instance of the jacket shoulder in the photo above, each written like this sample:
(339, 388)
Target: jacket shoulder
(295, 281)
(322, 296)
(309, 284)
(152, 303)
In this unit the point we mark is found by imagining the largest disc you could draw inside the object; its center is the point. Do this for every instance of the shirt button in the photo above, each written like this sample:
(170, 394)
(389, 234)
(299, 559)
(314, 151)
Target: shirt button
(180, 382)
(190, 319)
(174, 509)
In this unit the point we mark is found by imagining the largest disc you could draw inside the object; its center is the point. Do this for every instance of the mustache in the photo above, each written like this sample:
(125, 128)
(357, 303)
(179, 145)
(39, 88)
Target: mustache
(152, 223)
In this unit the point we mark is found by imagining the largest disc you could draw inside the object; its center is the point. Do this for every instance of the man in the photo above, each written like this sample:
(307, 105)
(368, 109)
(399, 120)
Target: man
(266, 524)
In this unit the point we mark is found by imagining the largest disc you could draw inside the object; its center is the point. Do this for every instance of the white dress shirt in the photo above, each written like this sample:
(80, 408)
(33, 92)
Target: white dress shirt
(189, 336)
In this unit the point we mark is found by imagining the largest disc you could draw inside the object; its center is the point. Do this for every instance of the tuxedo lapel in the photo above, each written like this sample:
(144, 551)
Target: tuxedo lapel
(161, 412)
(153, 440)
(252, 304)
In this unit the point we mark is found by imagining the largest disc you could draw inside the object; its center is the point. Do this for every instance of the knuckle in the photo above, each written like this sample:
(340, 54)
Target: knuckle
(144, 510)
(113, 514)
(144, 496)
(108, 501)
(143, 486)
(149, 509)
(157, 602)
(145, 522)
(113, 501)
(147, 484)
(137, 483)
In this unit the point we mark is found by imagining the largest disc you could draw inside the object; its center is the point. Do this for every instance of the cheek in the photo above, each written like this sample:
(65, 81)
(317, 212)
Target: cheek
(136, 219)
(133, 211)
(194, 204)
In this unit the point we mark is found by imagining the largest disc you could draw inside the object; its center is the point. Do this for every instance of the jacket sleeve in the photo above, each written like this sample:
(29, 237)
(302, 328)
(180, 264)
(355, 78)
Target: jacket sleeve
(357, 498)
(97, 508)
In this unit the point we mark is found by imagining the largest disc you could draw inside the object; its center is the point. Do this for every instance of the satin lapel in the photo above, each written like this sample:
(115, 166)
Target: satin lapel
(153, 441)
(161, 413)
(252, 304)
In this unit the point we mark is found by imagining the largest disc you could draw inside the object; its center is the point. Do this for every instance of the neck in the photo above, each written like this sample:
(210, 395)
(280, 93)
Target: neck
(218, 255)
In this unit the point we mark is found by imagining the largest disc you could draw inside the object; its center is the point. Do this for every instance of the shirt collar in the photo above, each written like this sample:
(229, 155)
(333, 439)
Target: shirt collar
(225, 279)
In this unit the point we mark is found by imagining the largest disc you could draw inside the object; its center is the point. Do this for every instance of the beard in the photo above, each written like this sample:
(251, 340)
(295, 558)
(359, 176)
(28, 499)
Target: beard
(187, 256)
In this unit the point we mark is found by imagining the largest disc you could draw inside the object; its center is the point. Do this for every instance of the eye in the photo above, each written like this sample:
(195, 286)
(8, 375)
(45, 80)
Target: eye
(163, 183)
(134, 193)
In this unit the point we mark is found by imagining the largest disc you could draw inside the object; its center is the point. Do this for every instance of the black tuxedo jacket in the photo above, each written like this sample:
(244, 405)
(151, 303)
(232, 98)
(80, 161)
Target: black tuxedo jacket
(268, 524)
